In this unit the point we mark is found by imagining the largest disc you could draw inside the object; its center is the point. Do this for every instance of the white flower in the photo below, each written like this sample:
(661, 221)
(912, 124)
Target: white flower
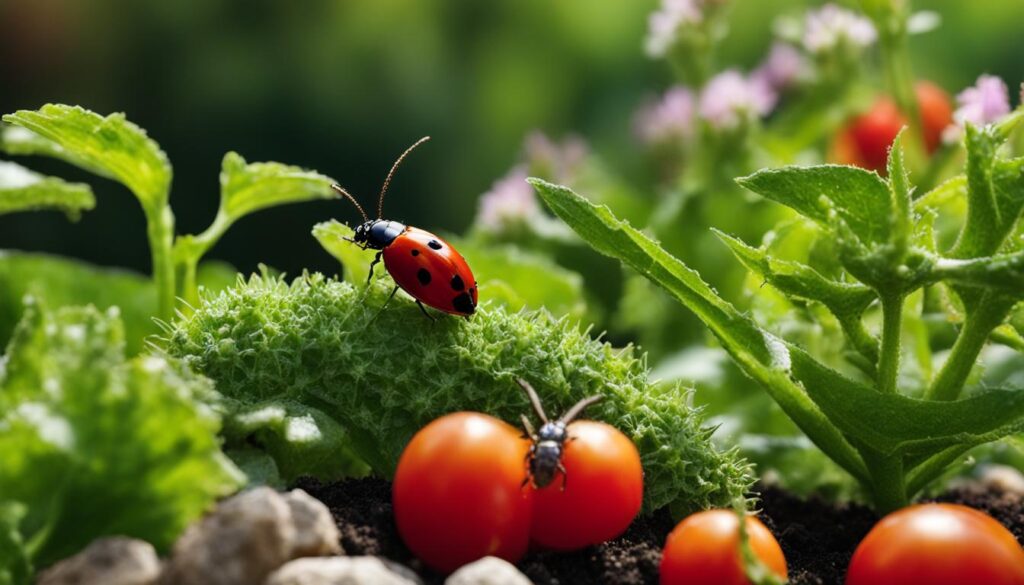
(831, 26)
(664, 22)
(667, 120)
(511, 200)
(730, 99)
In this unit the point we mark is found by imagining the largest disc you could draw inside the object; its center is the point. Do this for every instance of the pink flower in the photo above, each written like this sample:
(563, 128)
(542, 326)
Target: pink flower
(556, 161)
(831, 26)
(729, 99)
(985, 102)
(663, 23)
(782, 68)
(667, 120)
(511, 200)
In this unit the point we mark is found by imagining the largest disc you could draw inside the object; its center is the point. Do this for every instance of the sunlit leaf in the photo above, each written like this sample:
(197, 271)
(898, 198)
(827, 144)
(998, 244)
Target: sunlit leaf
(24, 190)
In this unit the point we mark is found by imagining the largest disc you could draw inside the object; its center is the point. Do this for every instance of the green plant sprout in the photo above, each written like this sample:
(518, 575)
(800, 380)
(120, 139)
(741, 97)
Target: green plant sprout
(893, 440)
(114, 148)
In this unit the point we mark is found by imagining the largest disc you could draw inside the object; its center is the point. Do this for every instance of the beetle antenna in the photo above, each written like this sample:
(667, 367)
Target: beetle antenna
(387, 181)
(578, 408)
(348, 195)
(534, 399)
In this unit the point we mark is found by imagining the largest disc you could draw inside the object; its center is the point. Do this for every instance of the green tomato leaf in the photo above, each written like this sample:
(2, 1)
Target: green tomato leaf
(900, 192)
(250, 187)
(995, 195)
(108, 146)
(761, 355)
(94, 445)
(336, 238)
(860, 198)
(24, 190)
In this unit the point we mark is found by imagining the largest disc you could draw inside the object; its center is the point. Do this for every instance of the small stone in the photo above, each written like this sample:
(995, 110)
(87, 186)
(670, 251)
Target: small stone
(488, 571)
(343, 571)
(1004, 478)
(245, 539)
(107, 561)
(316, 534)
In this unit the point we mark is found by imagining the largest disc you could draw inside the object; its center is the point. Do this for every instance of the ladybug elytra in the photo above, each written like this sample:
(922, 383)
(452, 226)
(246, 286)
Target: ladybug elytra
(422, 264)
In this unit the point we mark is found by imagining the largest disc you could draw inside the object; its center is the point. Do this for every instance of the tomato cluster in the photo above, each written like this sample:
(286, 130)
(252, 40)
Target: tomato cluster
(865, 141)
(462, 492)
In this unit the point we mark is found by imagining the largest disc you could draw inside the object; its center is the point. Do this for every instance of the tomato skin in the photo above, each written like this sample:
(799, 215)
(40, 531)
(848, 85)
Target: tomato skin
(704, 550)
(603, 489)
(937, 544)
(458, 493)
(865, 141)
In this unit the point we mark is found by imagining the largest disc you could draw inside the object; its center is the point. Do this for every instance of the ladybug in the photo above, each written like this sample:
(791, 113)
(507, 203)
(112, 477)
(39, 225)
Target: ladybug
(422, 264)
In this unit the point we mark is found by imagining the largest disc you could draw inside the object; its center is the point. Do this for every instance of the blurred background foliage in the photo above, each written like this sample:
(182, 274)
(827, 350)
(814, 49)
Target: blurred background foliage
(343, 86)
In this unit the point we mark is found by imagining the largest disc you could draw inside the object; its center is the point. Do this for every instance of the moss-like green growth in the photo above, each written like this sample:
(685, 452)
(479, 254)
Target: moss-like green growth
(320, 361)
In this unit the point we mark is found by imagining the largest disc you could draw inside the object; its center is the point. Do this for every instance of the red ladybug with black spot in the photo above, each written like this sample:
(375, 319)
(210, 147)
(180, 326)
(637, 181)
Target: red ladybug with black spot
(422, 264)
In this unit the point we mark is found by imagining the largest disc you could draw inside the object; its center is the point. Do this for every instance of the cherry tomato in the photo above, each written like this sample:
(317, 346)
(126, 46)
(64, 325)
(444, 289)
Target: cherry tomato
(458, 493)
(865, 141)
(704, 549)
(937, 544)
(603, 489)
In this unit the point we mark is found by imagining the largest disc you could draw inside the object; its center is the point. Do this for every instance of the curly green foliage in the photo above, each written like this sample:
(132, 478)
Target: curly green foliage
(383, 374)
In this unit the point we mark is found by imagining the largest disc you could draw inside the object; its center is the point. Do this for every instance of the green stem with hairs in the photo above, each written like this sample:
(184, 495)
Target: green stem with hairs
(889, 358)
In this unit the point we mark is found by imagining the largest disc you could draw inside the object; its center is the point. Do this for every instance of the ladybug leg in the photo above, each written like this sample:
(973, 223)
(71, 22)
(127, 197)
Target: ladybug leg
(376, 259)
(424, 309)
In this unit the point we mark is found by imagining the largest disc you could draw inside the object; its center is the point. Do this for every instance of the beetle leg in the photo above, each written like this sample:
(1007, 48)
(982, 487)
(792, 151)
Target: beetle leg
(565, 475)
(376, 259)
(424, 309)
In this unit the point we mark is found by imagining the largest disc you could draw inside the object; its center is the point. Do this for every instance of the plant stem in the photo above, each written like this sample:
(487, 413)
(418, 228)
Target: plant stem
(160, 230)
(985, 317)
(925, 472)
(889, 358)
(887, 480)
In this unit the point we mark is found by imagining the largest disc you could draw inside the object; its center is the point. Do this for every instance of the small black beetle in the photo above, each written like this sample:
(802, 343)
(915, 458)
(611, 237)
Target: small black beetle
(545, 454)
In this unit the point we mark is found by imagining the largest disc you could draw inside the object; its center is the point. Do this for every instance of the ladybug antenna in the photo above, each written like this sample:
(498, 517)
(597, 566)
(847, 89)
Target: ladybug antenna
(387, 181)
(349, 196)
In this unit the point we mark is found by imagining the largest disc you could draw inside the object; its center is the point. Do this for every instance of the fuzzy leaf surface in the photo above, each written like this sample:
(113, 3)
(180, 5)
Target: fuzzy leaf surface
(24, 190)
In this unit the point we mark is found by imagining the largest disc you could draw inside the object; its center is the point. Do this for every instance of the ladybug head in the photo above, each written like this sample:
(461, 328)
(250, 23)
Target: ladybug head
(362, 234)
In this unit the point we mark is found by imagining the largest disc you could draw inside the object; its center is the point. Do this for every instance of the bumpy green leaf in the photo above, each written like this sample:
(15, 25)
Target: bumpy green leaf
(861, 198)
(24, 190)
(505, 274)
(995, 195)
(761, 355)
(108, 146)
(382, 375)
(94, 445)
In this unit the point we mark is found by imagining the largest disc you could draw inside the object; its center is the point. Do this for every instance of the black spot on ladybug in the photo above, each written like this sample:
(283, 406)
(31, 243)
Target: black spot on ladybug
(415, 252)
(434, 244)
(463, 303)
(457, 283)
(423, 276)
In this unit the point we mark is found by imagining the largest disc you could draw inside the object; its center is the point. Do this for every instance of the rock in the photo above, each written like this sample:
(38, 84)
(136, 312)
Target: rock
(107, 561)
(488, 571)
(245, 539)
(1003, 478)
(343, 571)
(316, 534)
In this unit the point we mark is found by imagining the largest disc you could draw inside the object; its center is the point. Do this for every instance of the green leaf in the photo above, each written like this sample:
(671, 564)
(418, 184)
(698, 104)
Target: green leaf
(761, 355)
(335, 237)
(995, 195)
(15, 568)
(94, 445)
(900, 190)
(860, 198)
(108, 146)
(24, 190)
(893, 423)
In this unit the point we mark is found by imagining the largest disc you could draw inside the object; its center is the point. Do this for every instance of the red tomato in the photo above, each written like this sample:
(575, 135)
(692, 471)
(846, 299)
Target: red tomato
(865, 141)
(458, 492)
(604, 487)
(937, 544)
(704, 549)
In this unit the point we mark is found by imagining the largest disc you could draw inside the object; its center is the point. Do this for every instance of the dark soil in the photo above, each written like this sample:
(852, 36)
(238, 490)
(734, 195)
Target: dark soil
(818, 537)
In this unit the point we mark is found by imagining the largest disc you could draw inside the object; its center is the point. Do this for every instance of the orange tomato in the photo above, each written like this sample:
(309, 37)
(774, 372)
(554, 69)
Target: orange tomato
(603, 492)
(704, 549)
(937, 544)
(458, 493)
